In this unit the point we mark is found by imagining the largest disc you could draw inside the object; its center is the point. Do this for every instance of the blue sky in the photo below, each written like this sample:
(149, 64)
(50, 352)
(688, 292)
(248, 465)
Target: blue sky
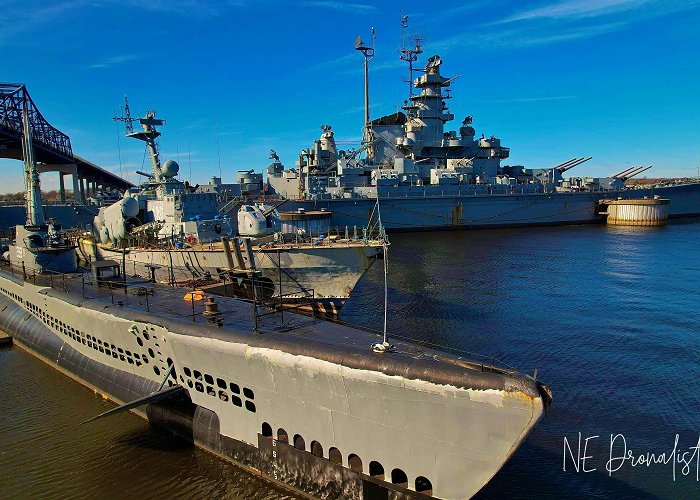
(612, 79)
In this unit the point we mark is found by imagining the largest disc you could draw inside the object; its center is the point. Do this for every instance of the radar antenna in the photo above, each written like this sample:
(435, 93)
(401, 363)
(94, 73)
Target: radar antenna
(148, 134)
(409, 55)
(126, 117)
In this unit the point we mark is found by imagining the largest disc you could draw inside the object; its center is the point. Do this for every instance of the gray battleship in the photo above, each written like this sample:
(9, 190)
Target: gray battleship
(177, 228)
(428, 177)
(313, 406)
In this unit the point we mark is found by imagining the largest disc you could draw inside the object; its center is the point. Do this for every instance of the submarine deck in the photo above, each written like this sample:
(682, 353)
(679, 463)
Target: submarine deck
(259, 323)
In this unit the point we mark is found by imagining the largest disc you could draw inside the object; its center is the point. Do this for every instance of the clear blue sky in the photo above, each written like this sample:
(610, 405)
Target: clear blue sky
(614, 79)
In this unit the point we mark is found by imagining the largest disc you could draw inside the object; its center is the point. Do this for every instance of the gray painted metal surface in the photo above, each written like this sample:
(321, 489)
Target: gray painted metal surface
(415, 411)
(430, 178)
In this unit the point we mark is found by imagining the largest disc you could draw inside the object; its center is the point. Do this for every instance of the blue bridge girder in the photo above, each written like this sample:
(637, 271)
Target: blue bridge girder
(52, 148)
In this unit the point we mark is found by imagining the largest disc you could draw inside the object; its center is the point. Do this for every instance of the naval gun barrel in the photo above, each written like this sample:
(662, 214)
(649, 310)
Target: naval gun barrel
(144, 174)
(564, 164)
(630, 173)
(574, 164)
(636, 172)
(625, 171)
(269, 211)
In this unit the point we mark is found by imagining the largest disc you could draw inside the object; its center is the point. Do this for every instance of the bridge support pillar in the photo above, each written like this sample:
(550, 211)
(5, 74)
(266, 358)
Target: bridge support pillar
(61, 187)
(81, 183)
(77, 192)
(62, 169)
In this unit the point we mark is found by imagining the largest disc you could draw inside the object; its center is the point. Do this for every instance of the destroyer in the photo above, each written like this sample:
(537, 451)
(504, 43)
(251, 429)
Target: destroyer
(177, 228)
(430, 178)
(304, 403)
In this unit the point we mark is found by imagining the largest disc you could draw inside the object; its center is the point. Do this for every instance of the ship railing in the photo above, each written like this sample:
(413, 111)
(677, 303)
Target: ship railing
(21, 203)
(138, 293)
(122, 289)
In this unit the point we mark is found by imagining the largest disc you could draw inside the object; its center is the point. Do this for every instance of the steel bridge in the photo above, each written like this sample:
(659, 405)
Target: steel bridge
(52, 148)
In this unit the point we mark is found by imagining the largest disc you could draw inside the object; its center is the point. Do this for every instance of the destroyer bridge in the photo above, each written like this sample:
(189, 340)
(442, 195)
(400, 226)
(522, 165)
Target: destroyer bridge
(52, 148)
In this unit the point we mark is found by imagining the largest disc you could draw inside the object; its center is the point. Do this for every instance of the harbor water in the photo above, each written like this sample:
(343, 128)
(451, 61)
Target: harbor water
(608, 315)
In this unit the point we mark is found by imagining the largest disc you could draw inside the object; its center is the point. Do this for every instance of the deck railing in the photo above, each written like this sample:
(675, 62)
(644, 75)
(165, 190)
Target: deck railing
(141, 294)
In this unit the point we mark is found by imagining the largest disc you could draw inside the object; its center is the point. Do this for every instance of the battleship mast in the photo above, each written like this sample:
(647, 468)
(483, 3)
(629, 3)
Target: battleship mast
(368, 53)
(409, 55)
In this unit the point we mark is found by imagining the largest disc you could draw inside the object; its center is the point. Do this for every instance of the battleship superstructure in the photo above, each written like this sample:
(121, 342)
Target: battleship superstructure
(178, 228)
(431, 178)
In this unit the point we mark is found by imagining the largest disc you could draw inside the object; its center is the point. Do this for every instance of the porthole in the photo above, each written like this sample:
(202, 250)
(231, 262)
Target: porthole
(151, 353)
(399, 478)
(223, 396)
(145, 335)
(187, 371)
(139, 341)
(250, 406)
(199, 386)
(299, 442)
(376, 470)
(267, 430)
(189, 384)
(208, 379)
(355, 462)
(423, 485)
(145, 359)
(211, 391)
(248, 393)
(156, 370)
(235, 389)
(236, 401)
(335, 456)
(282, 436)
(221, 383)
(316, 449)
(197, 375)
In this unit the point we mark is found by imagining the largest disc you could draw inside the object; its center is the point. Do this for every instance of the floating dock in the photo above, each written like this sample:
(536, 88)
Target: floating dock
(636, 212)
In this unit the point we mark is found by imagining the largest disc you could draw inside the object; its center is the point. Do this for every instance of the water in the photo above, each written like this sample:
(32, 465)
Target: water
(608, 316)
